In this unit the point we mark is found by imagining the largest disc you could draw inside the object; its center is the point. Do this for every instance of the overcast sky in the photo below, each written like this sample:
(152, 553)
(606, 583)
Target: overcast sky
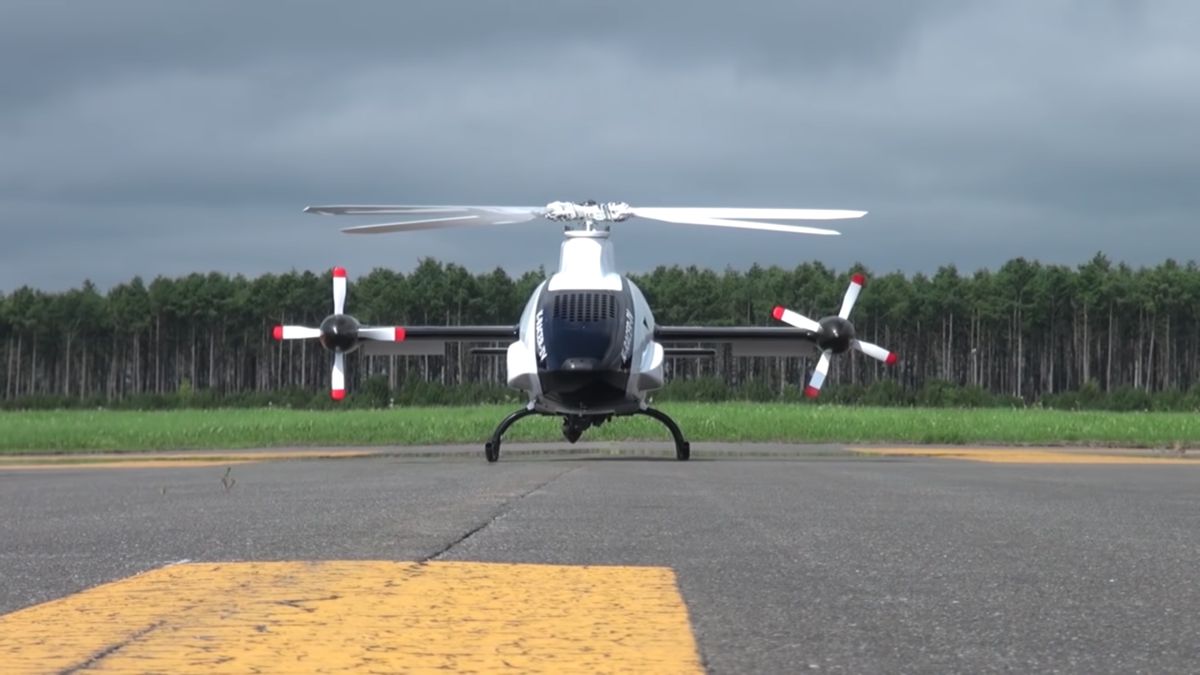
(161, 137)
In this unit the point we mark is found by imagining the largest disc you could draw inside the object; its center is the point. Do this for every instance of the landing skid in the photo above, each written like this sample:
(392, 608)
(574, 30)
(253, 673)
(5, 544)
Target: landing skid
(491, 450)
(683, 449)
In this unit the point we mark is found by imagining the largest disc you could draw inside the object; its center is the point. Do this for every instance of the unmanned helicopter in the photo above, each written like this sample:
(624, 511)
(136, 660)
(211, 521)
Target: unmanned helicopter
(586, 347)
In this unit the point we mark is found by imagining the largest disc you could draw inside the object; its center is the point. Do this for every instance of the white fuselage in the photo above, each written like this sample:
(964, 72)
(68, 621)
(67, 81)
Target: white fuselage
(618, 362)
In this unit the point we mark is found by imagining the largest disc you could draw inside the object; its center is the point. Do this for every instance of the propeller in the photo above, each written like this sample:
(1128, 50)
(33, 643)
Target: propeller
(340, 333)
(835, 334)
(437, 217)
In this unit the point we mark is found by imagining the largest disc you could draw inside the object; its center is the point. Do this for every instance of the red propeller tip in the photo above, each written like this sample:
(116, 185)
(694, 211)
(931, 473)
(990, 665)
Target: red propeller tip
(811, 391)
(858, 279)
(339, 272)
(891, 359)
(337, 394)
(399, 334)
(777, 313)
(277, 333)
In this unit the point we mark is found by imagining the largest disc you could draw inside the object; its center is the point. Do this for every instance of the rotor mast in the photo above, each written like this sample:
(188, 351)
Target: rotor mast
(586, 259)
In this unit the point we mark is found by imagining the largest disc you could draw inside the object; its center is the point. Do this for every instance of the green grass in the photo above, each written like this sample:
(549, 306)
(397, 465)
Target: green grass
(93, 431)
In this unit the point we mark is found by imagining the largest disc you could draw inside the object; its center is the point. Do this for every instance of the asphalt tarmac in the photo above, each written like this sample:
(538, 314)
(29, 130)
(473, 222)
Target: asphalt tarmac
(787, 559)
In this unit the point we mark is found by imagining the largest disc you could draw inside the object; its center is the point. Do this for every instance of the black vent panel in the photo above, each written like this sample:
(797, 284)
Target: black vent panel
(585, 307)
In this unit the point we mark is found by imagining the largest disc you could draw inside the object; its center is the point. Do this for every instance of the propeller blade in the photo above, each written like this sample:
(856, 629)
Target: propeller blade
(798, 320)
(856, 283)
(382, 333)
(339, 289)
(295, 332)
(661, 213)
(875, 352)
(338, 379)
(688, 217)
(818, 376)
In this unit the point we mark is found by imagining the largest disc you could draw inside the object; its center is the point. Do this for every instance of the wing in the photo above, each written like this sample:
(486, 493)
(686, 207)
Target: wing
(431, 340)
(746, 341)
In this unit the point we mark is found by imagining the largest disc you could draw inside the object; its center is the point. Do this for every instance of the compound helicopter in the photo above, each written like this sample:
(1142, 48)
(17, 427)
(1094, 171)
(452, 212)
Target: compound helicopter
(586, 347)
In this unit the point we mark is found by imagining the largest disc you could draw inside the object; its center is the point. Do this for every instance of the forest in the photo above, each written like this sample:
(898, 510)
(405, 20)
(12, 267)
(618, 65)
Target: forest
(1026, 333)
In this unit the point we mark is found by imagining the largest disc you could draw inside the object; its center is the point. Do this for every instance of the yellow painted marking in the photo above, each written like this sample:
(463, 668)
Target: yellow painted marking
(132, 464)
(360, 617)
(1025, 456)
(161, 460)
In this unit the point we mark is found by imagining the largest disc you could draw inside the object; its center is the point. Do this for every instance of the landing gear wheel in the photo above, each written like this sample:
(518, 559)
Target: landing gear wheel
(683, 452)
(491, 451)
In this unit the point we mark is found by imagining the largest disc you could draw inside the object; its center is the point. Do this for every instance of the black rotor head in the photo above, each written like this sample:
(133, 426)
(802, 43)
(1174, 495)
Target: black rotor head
(836, 334)
(339, 333)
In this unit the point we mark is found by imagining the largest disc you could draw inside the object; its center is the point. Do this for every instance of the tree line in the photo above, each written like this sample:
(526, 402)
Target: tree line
(1026, 331)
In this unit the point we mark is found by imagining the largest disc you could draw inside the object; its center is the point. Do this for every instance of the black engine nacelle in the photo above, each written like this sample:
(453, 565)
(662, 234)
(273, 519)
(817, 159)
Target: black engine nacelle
(836, 334)
(339, 333)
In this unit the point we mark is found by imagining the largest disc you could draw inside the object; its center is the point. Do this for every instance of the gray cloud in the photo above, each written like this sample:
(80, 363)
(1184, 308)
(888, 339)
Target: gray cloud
(145, 138)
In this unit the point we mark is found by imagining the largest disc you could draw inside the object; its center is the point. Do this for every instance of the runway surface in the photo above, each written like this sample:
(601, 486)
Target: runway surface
(772, 559)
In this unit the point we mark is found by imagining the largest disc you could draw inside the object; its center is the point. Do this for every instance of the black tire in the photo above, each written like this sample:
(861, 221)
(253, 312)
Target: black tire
(491, 451)
(683, 451)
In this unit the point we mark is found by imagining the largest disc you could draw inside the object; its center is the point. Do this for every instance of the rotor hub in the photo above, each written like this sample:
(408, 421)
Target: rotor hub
(339, 333)
(589, 212)
(836, 334)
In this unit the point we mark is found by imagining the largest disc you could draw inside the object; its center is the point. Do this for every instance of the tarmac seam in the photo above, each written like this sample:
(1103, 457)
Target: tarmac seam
(500, 512)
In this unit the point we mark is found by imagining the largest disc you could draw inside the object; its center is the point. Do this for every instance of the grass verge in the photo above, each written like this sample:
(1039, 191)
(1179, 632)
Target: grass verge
(95, 431)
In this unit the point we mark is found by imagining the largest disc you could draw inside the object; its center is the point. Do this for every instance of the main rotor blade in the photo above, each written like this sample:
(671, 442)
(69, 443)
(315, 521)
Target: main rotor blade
(684, 218)
(735, 213)
(400, 209)
(461, 220)
(442, 216)
(412, 225)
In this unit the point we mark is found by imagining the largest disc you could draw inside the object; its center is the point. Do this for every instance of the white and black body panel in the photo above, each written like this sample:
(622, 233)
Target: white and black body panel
(522, 360)
(647, 374)
(584, 336)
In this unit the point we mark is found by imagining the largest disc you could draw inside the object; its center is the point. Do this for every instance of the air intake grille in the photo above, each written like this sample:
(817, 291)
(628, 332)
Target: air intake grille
(585, 307)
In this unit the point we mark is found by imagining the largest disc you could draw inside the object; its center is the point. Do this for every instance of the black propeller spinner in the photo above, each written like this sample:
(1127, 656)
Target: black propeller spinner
(339, 333)
(836, 334)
